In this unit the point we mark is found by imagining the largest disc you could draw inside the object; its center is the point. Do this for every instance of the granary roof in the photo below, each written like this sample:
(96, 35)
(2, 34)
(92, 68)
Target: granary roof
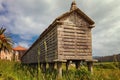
(56, 21)
(74, 8)
(19, 48)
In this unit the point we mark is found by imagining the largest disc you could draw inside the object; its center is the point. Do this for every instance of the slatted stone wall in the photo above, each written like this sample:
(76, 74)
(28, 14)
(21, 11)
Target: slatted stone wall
(74, 38)
(48, 46)
(32, 57)
(70, 40)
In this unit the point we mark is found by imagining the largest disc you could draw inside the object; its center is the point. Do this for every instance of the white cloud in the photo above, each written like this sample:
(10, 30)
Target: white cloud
(26, 26)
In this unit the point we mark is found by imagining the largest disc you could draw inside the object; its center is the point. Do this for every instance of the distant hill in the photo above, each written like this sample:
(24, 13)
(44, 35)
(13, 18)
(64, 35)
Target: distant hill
(110, 58)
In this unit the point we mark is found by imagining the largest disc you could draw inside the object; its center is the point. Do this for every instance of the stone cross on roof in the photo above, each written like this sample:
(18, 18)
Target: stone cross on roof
(73, 6)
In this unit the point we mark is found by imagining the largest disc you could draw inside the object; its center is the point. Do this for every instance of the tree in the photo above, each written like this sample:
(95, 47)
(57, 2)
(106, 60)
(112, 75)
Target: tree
(5, 41)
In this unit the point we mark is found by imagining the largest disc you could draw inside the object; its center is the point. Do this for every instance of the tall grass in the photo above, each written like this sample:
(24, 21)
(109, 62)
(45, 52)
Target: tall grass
(17, 71)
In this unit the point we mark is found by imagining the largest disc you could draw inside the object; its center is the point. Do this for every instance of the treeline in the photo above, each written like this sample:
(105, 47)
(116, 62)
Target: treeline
(112, 58)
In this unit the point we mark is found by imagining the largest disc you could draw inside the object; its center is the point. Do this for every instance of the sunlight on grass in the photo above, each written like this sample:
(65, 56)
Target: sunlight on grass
(17, 71)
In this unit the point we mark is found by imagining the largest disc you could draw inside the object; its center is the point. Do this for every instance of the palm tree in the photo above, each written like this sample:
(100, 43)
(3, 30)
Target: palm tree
(5, 41)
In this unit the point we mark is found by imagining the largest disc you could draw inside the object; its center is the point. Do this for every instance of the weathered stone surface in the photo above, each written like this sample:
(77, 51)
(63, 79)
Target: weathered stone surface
(67, 38)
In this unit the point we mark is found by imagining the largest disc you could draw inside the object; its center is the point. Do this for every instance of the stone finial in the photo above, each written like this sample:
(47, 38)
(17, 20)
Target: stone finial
(73, 6)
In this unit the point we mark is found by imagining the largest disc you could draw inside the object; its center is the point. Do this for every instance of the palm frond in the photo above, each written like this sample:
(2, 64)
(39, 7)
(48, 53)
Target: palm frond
(5, 41)
(2, 30)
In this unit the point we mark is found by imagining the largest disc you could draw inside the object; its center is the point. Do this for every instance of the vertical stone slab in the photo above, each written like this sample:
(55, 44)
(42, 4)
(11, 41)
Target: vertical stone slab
(51, 66)
(67, 65)
(59, 69)
(90, 66)
(77, 64)
(44, 67)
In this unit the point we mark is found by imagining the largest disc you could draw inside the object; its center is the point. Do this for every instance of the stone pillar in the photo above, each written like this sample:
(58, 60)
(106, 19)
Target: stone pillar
(59, 69)
(51, 66)
(77, 64)
(44, 67)
(90, 66)
(67, 65)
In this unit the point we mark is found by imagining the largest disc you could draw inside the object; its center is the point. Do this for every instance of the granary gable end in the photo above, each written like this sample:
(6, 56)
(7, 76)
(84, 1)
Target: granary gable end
(75, 16)
(74, 35)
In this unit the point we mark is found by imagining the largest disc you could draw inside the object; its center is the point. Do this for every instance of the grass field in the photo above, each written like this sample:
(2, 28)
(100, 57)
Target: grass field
(16, 71)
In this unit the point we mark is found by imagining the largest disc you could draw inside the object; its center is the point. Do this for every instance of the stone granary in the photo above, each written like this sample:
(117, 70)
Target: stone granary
(67, 39)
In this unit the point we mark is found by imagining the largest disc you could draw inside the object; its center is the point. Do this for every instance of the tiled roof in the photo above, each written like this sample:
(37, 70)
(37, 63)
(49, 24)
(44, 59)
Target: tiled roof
(19, 48)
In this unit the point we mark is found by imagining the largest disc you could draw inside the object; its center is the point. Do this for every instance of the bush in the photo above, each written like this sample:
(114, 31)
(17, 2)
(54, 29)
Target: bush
(82, 74)
(117, 64)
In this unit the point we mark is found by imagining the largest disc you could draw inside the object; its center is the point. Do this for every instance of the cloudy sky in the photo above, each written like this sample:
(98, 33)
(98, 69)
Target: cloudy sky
(25, 20)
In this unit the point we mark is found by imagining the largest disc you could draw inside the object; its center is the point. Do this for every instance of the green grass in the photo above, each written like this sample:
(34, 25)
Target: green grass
(17, 71)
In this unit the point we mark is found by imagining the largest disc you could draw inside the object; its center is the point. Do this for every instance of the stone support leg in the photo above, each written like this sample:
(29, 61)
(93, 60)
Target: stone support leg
(51, 66)
(90, 66)
(44, 67)
(67, 65)
(59, 68)
(77, 64)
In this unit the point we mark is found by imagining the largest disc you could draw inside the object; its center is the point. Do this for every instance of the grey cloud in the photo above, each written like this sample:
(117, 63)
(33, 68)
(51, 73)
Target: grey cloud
(106, 33)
